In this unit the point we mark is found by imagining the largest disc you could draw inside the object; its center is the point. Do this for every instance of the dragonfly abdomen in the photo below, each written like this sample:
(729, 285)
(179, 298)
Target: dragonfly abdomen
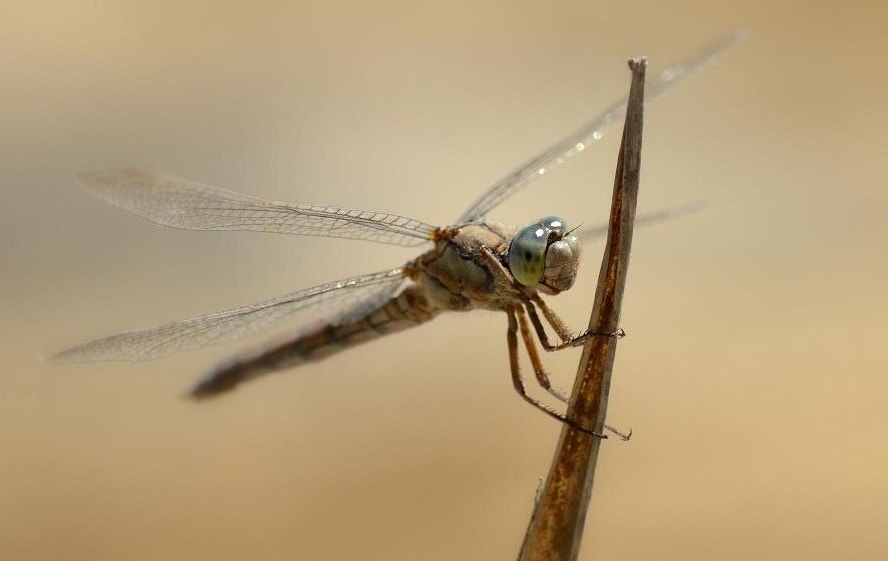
(408, 309)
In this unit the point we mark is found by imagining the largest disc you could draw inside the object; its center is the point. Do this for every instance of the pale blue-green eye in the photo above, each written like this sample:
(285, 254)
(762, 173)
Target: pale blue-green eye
(556, 224)
(527, 254)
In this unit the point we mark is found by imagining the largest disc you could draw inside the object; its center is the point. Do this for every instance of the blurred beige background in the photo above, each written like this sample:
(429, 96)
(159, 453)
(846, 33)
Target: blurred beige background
(754, 373)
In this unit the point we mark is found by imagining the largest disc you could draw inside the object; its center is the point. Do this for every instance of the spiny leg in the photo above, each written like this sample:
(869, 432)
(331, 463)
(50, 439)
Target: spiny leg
(512, 341)
(556, 322)
(538, 368)
(505, 282)
(507, 285)
(568, 339)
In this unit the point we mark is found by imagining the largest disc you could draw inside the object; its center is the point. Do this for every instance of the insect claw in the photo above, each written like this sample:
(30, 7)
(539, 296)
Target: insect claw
(580, 339)
(624, 436)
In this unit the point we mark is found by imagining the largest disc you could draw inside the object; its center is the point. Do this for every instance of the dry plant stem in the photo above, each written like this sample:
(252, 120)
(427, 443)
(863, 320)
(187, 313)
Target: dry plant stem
(556, 526)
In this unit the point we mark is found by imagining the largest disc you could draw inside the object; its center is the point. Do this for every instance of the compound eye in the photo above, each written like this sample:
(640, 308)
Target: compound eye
(527, 254)
(555, 224)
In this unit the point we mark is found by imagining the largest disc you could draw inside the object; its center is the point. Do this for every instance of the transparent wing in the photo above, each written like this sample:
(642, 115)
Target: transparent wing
(360, 292)
(646, 219)
(578, 141)
(192, 206)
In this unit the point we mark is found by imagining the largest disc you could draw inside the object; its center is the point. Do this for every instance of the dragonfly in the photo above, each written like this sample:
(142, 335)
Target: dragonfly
(475, 264)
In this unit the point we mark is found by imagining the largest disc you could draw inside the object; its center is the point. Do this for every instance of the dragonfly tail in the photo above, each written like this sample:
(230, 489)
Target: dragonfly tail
(407, 309)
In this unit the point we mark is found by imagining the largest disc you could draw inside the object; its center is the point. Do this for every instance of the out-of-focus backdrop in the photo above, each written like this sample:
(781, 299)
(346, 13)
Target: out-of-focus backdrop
(754, 374)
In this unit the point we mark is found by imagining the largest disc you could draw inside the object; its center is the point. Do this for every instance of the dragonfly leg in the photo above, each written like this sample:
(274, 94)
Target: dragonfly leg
(538, 369)
(518, 382)
(507, 285)
(541, 375)
(624, 436)
(568, 339)
(556, 322)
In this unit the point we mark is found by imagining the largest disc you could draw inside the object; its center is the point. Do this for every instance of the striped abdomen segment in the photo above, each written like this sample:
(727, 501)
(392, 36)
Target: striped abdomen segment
(408, 309)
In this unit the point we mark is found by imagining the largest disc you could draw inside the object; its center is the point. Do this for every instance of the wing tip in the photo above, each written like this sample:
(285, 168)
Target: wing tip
(62, 357)
(94, 351)
(71, 356)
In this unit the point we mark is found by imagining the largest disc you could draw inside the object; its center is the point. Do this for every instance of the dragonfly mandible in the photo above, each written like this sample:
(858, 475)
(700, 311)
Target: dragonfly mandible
(477, 263)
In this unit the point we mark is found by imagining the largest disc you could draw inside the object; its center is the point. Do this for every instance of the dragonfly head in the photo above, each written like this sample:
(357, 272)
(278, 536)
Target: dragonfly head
(545, 255)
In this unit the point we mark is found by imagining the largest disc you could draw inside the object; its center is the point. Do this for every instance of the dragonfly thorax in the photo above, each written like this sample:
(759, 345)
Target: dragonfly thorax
(545, 255)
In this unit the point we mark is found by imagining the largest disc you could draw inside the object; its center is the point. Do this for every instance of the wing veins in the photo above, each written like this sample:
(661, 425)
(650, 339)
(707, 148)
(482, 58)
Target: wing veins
(579, 140)
(187, 205)
(216, 327)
